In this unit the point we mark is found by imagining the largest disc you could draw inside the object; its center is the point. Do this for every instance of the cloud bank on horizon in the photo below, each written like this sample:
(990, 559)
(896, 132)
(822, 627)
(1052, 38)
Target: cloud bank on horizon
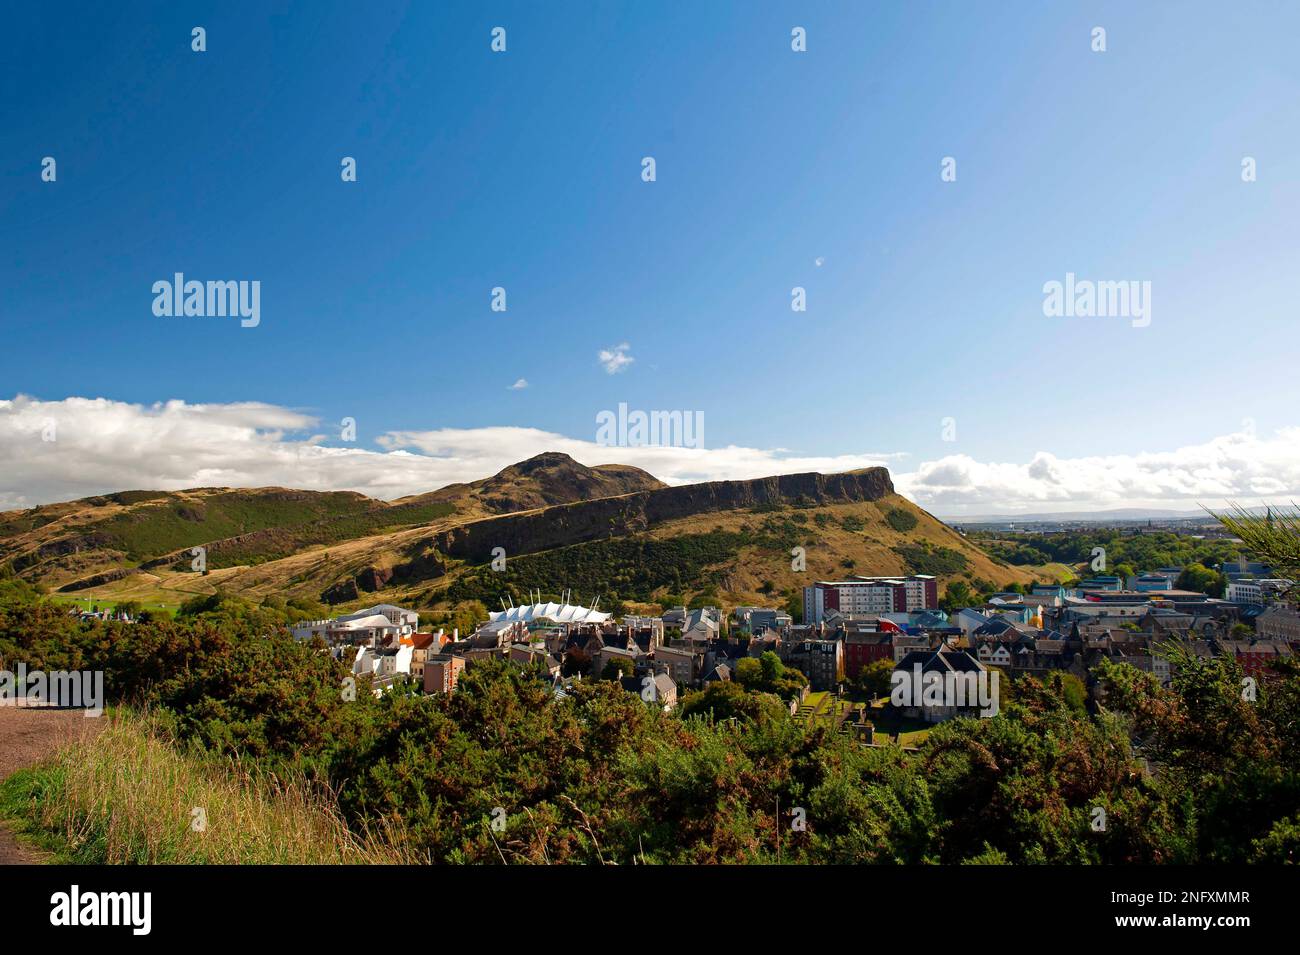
(77, 447)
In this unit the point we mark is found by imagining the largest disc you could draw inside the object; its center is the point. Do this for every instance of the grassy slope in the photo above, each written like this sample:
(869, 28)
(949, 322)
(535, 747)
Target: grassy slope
(865, 546)
(125, 530)
(828, 546)
(737, 574)
(140, 529)
(279, 541)
(745, 550)
(128, 796)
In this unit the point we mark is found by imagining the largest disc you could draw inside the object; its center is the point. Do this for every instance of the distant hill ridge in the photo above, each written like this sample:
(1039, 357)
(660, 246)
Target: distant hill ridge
(606, 517)
(152, 529)
(583, 522)
(612, 528)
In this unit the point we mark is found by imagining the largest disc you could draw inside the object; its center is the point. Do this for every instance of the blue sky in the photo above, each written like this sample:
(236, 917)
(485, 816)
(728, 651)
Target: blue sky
(522, 170)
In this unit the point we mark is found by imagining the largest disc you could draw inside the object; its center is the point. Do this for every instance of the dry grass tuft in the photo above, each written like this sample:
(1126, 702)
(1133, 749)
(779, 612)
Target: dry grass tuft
(131, 797)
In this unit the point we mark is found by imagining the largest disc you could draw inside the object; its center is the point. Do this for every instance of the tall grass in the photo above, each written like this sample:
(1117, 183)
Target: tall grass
(1273, 537)
(128, 796)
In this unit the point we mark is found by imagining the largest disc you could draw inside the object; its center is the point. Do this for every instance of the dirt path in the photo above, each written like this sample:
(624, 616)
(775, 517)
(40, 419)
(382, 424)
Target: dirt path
(28, 736)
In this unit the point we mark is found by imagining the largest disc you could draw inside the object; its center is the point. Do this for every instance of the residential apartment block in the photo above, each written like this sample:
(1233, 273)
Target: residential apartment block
(442, 672)
(869, 595)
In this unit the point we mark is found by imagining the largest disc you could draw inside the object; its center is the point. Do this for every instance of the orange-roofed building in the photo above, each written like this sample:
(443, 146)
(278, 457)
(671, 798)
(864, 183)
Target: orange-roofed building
(424, 645)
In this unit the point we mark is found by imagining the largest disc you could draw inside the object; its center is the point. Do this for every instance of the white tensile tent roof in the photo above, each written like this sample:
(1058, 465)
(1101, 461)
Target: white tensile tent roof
(560, 613)
(365, 623)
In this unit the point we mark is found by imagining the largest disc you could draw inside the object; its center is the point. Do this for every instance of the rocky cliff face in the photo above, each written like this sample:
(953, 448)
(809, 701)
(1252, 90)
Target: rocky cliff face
(591, 520)
(614, 516)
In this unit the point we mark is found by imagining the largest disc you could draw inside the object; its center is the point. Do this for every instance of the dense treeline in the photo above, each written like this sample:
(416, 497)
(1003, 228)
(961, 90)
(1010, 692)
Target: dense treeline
(1194, 773)
(1143, 551)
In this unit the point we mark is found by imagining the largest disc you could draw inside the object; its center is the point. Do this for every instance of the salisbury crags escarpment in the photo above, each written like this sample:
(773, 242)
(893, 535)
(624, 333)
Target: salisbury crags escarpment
(275, 543)
(583, 521)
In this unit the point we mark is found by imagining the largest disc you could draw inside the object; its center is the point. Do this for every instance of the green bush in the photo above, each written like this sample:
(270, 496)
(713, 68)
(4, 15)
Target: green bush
(927, 559)
(900, 520)
(597, 776)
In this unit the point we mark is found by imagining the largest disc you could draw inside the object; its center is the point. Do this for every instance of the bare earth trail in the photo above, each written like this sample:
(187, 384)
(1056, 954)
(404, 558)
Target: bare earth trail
(27, 736)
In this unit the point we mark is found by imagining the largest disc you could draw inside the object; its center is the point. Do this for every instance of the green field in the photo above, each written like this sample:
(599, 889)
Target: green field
(90, 603)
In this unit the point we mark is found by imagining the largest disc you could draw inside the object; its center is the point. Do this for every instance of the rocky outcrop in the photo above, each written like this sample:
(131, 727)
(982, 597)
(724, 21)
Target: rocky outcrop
(615, 516)
(374, 578)
(62, 547)
(106, 577)
(424, 566)
(583, 521)
(341, 592)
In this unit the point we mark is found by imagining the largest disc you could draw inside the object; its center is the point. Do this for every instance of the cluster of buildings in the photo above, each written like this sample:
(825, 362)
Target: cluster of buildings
(849, 625)
(653, 656)
(104, 614)
(656, 657)
(1055, 629)
(859, 621)
(1249, 583)
(386, 640)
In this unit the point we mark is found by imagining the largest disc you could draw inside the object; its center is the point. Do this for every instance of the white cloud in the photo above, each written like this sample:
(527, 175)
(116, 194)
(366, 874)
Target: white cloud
(519, 385)
(1241, 467)
(616, 359)
(103, 445)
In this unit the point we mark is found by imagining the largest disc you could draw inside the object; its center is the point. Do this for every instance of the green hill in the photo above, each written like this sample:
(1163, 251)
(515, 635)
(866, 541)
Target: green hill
(99, 539)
